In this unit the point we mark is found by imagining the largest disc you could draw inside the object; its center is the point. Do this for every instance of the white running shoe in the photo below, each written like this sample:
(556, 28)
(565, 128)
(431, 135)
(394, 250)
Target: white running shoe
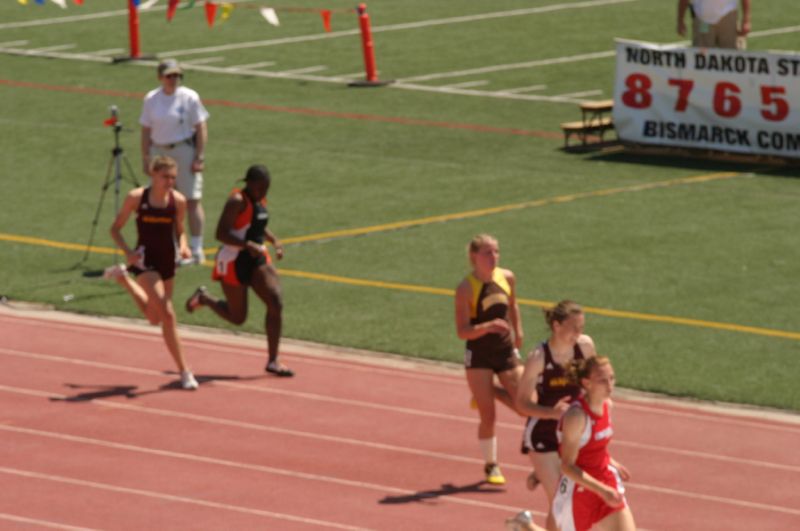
(188, 382)
(521, 522)
(115, 271)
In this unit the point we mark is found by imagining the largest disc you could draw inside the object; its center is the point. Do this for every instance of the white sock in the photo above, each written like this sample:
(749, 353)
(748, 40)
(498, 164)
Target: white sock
(489, 449)
(196, 243)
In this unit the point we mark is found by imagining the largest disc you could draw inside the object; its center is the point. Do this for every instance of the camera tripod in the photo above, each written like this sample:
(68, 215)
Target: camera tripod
(113, 175)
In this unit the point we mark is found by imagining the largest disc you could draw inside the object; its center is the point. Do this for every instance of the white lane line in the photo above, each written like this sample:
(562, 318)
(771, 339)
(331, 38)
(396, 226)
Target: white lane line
(13, 43)
(520, 90)
(109, 51)
(719, 499)
(56, 48)
(483, 94)
(581, 94)
(251, 66)
(57, 55)
(62, 20)
(245, 466)
(306, 70)
(41, 523)
(172, 498)
(379, 446)
(514, 66)
(398, 27)
(774, 31)
(394, 409)
(205, 60)
(468, 84)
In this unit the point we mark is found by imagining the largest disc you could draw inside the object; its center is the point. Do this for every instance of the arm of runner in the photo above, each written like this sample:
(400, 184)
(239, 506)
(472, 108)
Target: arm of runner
(180, 233)
(200, 141)
(271, 238)
(513, 309)
(146, 143)
(464, 328)
(129, 205)
(572, 427)
(526, 391)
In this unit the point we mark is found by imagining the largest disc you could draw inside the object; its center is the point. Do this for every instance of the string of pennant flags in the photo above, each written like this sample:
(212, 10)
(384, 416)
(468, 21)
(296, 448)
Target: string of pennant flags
(219, 11)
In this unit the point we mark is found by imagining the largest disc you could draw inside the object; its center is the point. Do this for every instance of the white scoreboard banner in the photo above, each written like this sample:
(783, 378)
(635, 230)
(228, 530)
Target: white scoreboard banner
(745, 102)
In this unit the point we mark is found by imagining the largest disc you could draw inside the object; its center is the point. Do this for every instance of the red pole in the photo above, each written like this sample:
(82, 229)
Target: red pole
(133, 29)
(367, 44)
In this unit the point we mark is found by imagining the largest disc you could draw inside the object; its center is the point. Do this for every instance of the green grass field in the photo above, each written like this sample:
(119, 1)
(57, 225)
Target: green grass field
(691, 285)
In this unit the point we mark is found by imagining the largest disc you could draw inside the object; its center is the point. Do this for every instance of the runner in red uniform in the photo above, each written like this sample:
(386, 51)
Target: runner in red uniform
(159, 221)
(590, 492)
(243, 261)
(545, 392)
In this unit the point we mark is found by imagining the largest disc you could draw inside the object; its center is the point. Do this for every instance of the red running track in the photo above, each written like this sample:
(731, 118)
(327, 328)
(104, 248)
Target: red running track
(95, 434)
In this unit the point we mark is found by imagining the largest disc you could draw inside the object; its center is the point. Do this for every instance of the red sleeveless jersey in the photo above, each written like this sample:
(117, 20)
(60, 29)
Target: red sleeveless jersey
(593, 456)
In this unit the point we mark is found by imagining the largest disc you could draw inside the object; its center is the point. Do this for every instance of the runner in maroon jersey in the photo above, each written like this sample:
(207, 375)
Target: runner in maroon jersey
(590, 492)
(159, 221)
(545, 392)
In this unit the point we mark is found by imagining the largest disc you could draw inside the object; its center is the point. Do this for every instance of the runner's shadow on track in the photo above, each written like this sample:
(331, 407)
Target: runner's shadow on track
(96, 392)
(447, 489)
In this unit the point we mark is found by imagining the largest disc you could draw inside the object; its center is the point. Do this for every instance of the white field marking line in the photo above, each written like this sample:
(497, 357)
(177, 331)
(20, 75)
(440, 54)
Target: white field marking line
(58, 55)
(251, 65)
(398, 27)
(13, 43)
(520, 90)
(514, 66)
(305, 70)
(110, 51)
(56, 48)
(41, 523)
(583, 94)
(394, 409)
(62, 20)
(483, 93)
(468, 84)
(775, 31)
(565, 59)
(246, 466)
(205, 60)
(719, 499)
(170, 497)
(356, 442)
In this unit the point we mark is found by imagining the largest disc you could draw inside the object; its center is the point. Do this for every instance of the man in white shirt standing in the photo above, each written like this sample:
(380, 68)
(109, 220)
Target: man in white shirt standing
(715, 23)
(173, 123)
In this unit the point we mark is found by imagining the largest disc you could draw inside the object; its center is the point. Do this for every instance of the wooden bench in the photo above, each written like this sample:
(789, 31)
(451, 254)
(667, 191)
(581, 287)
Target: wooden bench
(595, 121)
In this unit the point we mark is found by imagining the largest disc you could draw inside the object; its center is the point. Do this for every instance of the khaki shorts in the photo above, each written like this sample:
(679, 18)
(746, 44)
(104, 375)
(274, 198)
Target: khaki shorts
(723, 34)
(189, 183)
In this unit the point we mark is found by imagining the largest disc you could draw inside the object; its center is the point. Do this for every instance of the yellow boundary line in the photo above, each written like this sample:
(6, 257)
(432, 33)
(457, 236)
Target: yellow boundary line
(509, 207)
(412, 288)
(621, 314)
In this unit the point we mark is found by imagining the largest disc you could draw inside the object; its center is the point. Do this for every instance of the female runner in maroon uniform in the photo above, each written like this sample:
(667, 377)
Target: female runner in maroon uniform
(243, 261)
(160, 210)
(488, 318)
(590, 492)
(545, 392)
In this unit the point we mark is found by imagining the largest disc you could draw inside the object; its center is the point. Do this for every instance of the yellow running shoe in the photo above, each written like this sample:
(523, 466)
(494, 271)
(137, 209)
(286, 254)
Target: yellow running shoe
(493, 474)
